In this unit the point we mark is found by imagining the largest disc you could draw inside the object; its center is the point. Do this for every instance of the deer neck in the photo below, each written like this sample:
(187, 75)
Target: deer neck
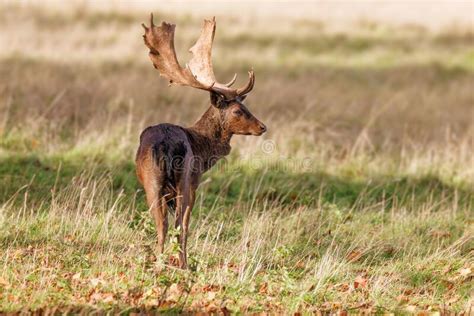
(213, 140)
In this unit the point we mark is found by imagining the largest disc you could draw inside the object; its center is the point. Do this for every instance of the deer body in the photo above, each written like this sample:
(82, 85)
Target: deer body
(171, 159)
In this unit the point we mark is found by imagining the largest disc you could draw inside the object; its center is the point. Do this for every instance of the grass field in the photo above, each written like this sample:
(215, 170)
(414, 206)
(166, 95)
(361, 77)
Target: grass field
(359, 198)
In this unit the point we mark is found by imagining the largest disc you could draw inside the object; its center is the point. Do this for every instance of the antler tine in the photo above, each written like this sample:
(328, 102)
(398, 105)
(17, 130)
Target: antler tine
(151, 20)
(231, 82)
(249, 86)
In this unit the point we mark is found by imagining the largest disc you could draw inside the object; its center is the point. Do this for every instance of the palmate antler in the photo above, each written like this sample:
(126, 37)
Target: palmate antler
(198, 73)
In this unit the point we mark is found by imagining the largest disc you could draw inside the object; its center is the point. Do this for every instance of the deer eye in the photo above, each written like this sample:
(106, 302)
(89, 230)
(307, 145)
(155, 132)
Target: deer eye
(237, 112)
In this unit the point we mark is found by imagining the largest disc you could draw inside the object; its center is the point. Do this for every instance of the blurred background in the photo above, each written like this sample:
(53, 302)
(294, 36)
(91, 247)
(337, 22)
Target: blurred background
(383, 74)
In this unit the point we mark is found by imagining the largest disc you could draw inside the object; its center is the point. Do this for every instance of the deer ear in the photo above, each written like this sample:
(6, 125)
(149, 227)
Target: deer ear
(214, 98)
(217, 100)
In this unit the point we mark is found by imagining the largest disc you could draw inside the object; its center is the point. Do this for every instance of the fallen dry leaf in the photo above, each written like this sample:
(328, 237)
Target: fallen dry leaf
(210, 288)
(107, 298)
(173, 261)
(354, 255)
(167, 304)
(175, 291)
(97, 297)
(410, 308)
(360, 282)
(211, 295)
(343, 287)
(12, 298)
(195, 288)
(465, 272)
(447, 269)
(4, 282)
(408, 291)
(198, 304)
(96, 281)
(263, 289)
(148, 293)
(212, 308)
(449, 285)
(402, 298)
(300, 264)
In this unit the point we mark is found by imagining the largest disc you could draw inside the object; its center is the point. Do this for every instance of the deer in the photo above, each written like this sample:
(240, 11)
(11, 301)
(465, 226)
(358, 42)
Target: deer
(171, 159)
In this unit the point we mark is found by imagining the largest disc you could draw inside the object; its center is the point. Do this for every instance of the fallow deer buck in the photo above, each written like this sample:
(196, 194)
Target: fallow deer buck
(171, 158)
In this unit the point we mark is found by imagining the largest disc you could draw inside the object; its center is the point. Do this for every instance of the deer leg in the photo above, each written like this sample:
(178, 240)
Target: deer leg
(185, 204)
(157, 205)
(185, 225)
(160, 216)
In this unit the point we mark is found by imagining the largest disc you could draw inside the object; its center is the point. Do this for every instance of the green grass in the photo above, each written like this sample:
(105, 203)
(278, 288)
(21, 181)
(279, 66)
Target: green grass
(261, 239)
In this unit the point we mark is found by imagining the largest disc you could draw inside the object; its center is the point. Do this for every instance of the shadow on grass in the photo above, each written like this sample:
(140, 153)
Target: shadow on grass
(41, 177)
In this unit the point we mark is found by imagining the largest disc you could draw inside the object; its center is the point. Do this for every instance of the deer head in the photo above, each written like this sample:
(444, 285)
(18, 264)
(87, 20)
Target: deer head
(198, 73)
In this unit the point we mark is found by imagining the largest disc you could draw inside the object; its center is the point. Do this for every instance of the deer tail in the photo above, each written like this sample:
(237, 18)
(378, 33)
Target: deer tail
(162, 159)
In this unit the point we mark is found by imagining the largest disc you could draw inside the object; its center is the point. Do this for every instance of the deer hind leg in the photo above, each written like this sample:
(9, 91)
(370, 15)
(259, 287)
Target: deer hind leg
(185, 202)
(157, 206)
